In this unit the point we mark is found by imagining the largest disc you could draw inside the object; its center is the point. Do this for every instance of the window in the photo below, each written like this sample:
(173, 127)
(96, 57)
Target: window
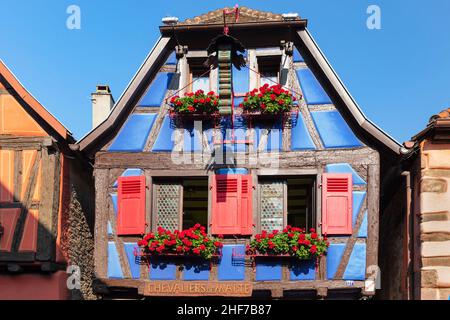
(195, 202)
(198, 75)
(269, 69)
(180, 203)
(287, 200)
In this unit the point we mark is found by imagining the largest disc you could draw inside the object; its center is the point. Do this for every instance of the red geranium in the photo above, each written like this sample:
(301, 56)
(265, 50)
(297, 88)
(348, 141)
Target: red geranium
(291, 241)
(197, 102)
(191, 241)
(268, 99)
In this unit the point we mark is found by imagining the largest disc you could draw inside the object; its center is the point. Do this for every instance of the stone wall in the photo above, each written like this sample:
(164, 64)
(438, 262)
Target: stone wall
(435, 221)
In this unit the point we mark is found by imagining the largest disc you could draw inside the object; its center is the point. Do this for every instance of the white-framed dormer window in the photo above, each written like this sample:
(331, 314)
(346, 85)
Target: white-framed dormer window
(199, 76)
(269, 70)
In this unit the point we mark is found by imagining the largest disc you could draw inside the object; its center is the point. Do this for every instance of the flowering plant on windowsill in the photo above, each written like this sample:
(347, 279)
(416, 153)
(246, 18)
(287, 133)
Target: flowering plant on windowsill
(195, 103)
(268, 100)
(193, 241)
(291, 241)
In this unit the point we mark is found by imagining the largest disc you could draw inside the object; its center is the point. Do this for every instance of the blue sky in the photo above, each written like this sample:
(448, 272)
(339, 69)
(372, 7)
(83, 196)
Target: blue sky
(399, 75)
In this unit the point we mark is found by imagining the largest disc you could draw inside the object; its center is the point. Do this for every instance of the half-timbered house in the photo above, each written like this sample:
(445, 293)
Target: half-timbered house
(319, 166)
(46, 219)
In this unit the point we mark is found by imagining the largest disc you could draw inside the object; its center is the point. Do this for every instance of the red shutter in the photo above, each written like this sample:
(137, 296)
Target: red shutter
(337, 198)
(231, 204)
(246, 205)
(131, 203)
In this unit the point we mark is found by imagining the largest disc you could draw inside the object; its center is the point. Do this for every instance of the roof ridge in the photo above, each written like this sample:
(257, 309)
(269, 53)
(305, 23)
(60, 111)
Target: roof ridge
(245, 13)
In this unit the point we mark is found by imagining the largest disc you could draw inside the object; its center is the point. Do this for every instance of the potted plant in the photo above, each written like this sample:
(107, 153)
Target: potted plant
(195, 103)
(268, 100)
(193, 244)
(305, 248)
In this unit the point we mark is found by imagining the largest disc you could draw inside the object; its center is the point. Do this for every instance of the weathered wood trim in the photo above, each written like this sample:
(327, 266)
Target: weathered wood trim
(373, 209)
(26, 204)
(18, 161)
(49, 206)
(287, 160)
(24, 143)
(101, 216)
(17, 256)
(282, 286)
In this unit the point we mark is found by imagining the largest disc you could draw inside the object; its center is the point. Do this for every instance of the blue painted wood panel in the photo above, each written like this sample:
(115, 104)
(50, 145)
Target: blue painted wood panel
(362, 233)
(196, 269)
(162, 268)
(231, 268)
(333, 130)
(133, 261)
(109, 229)
(345, 168)
(192, 138)
(114, 268)
(356, 267)
(172, 60)
(302, 270)
(311, 88)
(232, 171)
(134, 134)
(297, 56)
(165, 139)
(358, 200)
(300, 137)
(130, 172)
(114, 202)
(274, 137)
(157, 90)
(241, 80)
(334, 256)
(268, 269)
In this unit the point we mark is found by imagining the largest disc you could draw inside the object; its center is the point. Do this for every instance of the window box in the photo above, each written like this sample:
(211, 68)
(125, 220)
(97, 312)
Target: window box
(267, 100)
(195, 103)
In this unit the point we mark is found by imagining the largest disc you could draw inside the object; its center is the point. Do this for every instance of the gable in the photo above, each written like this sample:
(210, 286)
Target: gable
(14, 120)
(317, 125)
(21, 114)
(333, 120)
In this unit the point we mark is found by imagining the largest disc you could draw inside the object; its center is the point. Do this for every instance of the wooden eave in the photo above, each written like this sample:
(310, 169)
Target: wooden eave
(438, 130)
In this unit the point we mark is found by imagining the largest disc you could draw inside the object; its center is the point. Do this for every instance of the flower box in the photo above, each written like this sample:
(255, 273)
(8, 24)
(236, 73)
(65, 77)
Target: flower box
(192, 242)
(272, 101)
(195, 103)
(291, 242)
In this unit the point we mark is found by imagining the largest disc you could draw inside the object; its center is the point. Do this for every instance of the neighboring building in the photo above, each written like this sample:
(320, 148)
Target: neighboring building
(46, 214)
(179, 178)
(416, 257)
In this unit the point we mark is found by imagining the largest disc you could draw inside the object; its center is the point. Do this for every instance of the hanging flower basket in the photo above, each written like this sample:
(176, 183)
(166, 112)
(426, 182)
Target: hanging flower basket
(197, 103)
(267, 100)
(291, 242)
(192, 242)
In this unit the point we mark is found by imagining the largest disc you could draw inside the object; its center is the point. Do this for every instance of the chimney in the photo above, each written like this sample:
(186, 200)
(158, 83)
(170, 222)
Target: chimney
(102, 103)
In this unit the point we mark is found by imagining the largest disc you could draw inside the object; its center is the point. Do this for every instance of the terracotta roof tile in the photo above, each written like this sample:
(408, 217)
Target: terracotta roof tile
(245, 15)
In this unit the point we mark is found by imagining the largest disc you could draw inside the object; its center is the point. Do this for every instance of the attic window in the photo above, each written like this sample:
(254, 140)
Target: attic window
(198, 75)
(269, 69)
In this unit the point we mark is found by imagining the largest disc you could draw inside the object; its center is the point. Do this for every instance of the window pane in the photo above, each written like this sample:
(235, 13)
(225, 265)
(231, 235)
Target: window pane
(269, 79)
(168, 205)
(272, 205)
(195, 202)
(300, 202)
(201, 84)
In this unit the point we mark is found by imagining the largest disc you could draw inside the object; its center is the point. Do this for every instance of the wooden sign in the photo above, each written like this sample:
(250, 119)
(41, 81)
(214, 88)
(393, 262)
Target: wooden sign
(198, 288)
